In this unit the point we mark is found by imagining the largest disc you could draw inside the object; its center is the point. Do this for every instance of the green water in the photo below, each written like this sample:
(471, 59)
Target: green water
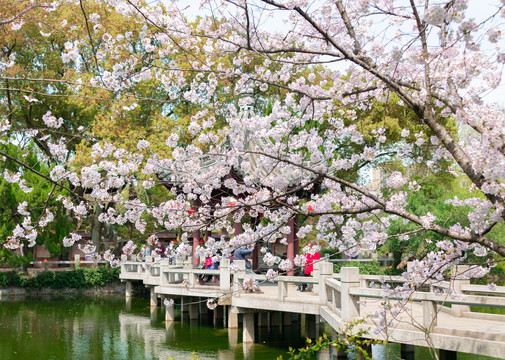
(110, 328)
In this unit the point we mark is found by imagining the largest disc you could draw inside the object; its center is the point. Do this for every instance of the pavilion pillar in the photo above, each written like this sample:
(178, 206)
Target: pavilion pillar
(256, 250)
(238, 228)
(293, 241)
(196, 243)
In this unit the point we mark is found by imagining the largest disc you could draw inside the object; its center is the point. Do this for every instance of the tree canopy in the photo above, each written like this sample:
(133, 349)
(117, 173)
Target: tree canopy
(115, 93)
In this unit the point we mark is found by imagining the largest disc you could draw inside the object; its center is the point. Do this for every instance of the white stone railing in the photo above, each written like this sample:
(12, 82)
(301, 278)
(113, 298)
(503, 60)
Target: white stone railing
(340, 292)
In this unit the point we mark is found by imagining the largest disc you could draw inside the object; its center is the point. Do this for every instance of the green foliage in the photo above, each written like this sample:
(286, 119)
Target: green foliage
(9, 278)
(79, 278)
(352, 339)
(39, 201)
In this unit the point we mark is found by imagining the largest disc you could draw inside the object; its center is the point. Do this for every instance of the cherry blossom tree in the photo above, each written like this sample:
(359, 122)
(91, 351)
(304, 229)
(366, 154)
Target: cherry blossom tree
(303, 148)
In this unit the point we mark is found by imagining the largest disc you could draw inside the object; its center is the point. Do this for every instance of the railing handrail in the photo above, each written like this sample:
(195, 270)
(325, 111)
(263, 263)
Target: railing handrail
(333, 283)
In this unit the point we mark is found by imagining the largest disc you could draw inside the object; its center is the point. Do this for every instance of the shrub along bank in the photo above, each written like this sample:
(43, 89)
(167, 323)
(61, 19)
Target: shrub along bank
(78, 278)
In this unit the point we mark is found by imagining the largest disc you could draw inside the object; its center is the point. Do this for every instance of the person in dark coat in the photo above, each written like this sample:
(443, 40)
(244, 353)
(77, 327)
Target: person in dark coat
(241, 253)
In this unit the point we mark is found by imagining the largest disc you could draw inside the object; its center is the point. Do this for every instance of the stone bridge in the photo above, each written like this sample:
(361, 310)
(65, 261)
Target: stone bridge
(429, 318)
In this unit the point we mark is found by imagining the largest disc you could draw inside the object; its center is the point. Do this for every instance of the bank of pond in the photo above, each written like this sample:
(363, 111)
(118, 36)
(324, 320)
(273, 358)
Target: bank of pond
(110, 327)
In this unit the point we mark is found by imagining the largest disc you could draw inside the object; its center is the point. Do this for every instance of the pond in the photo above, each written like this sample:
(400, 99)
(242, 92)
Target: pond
(110, 328)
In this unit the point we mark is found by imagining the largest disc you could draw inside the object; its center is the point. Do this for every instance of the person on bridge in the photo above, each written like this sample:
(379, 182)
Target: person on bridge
(241, 253)
(311, 252)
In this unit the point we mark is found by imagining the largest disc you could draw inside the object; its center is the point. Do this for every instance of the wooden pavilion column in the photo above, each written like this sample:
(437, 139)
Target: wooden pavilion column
(196, 243)
(196, 234)
(293, 241)
(256, 250)
(238, 228)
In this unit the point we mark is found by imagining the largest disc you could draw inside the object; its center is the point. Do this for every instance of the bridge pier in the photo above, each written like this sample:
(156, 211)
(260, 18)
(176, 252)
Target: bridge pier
(286, 319)
(407, 352)
(263, 319)
(232, 317)
(233, 337)
(204, 310)
(248, 327)
(169, 313)
(447, 355)
(153, 299)
(337, 354)
(275, 318)
(193, 311)
(218, 315)
(128, 306)
(184, 305)
(311, 328)
(154, 314)
(129, 290)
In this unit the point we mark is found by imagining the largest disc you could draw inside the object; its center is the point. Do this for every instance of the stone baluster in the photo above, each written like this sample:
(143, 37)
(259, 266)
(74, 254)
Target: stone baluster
(224, 276)
(325, 272)
(459, 279)
(350, 305)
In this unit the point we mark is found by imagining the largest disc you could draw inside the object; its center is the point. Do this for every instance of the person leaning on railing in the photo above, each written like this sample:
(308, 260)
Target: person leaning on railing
(311, 253)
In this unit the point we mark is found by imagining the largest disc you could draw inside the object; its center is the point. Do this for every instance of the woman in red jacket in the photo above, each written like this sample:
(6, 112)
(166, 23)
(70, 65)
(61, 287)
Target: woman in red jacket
(312, 254)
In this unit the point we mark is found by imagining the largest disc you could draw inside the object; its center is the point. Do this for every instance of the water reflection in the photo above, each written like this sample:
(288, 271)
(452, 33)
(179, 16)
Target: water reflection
(112, 328)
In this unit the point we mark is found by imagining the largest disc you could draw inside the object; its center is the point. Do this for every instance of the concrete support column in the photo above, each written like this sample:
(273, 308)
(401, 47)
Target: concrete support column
(248, 324)
(311, 329)
(128, 306)
(447, 355)
(233, 339)
(193, 311)
(350, 305)
(153, 300)
(338, 354)
(129, 290)
(232, 317)
(286, 319)
(184, 305)
(275, 318)
(204, 310)
(218, 315)
(263, 319)
(154, 313)
(169, 313)
(407, 352)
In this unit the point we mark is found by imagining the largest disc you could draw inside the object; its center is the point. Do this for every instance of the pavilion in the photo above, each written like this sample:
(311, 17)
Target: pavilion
(254, 144)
